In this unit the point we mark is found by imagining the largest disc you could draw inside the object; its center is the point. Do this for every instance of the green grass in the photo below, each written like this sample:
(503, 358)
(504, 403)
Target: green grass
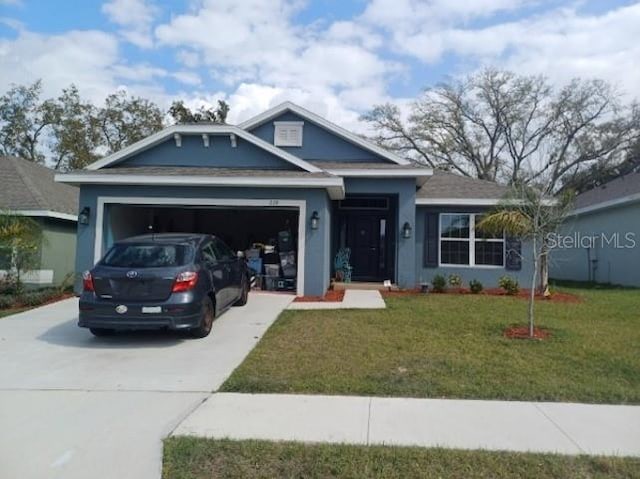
(452, 346)
(194, 458)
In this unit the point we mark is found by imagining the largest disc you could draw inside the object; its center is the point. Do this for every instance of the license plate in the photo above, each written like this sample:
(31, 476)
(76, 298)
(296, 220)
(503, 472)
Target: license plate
(151, 309)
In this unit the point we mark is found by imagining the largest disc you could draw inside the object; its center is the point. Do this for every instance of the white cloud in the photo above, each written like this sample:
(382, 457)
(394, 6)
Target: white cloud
(255, 47)
(60, 60)
(259, 55)
(188, 78)
(561, 43)
(135, 17)
(188, 58)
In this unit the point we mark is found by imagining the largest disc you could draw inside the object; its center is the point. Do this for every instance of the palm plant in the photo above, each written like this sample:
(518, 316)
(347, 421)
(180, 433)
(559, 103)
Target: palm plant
(527, 213)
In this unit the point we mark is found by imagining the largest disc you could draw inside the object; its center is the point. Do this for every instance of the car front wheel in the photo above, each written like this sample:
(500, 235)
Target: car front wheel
(244, 292)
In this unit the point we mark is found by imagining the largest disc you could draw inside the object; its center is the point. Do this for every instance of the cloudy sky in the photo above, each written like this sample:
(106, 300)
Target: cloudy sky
(335, 57)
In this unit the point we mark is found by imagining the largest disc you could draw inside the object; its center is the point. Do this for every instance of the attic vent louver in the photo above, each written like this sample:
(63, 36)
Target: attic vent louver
(287, 133)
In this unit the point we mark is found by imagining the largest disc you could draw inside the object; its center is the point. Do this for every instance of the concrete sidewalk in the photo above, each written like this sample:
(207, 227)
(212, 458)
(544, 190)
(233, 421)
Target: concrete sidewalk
(353, 299)
(565, 428)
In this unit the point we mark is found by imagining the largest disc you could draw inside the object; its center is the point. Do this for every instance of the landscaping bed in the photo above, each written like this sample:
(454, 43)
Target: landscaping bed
(332, 296)
(194, 458)
(453, 346)
(556, 296)
(16, 303)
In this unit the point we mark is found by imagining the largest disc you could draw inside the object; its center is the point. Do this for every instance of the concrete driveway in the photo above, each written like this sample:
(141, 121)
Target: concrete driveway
(75, 406)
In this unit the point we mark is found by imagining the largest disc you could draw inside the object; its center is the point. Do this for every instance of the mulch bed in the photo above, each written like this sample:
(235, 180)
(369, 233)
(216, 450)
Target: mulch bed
(332, 296)
(522, 332)
(556, 297)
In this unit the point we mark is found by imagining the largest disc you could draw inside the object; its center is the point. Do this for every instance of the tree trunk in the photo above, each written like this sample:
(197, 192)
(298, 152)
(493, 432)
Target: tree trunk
(544, 267)
(532, 291)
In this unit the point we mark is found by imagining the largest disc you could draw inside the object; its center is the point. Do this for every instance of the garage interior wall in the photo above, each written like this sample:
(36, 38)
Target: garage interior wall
(239, 228)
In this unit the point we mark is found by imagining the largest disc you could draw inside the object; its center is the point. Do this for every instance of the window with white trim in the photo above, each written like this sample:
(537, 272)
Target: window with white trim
(287, 133)
(463, 244)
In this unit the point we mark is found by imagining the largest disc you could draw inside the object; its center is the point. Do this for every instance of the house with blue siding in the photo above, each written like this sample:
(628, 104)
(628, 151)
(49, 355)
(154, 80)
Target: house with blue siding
(600, 240)
(291, 170)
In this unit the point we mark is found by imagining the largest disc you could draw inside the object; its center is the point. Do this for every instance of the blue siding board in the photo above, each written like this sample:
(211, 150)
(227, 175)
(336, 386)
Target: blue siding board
(219, 154)
(615, 263)
(318, 143)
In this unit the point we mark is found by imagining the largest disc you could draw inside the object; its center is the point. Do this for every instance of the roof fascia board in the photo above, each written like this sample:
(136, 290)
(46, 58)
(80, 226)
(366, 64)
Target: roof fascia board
(46, 214)
(474, 202)
(326, 124)
(606, 204)
(335, 186)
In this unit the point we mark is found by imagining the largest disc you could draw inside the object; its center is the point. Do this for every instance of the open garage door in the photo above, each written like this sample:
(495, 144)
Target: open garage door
(271, 236)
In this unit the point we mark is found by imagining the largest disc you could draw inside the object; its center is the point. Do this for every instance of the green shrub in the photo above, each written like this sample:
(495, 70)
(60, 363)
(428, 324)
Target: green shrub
(455, 280)
(7, 301)
(509, 284)
(35, 298)
(475, 286)
(438, 283)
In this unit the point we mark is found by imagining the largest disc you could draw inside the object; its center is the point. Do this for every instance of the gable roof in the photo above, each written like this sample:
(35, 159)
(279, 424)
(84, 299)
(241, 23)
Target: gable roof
(444, 188)
(171, 131)
(29, 189)
(622, 190)
(326, 124)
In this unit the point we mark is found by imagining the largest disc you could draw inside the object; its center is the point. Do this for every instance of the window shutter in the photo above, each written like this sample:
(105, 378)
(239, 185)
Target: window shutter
(431, 234)
(513, 253)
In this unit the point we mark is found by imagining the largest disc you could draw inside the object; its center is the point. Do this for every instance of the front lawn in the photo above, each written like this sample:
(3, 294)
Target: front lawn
(452, 346)
(193, 458)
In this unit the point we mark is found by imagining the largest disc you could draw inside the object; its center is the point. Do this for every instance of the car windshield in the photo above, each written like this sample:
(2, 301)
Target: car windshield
(147, 255)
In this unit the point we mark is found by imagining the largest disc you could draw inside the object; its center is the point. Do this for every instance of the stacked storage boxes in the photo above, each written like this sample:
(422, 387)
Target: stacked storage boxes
(287, 262)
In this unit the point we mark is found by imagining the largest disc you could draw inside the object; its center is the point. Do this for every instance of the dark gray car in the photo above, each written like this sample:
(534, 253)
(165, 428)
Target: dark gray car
(174, 281)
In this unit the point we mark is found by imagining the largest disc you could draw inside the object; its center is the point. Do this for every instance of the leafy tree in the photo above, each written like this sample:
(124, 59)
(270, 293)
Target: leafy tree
(124, 120)
(24, 121)
(603, 172)
(527, 212)
(180, 113)
(499, 126)
(75, 136)
(21, 236)
(70, 132)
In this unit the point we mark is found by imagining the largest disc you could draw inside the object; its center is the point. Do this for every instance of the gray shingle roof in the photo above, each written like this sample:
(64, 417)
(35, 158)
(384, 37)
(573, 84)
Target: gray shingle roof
(25, 185)
(368, 165)
(444, 185)
(201, 171)
(613, 190)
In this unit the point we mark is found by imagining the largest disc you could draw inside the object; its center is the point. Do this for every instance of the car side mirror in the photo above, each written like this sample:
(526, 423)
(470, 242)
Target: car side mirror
(240, 254)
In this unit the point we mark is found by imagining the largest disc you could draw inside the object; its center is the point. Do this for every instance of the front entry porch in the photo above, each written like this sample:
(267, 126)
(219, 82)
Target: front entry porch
(365, 226)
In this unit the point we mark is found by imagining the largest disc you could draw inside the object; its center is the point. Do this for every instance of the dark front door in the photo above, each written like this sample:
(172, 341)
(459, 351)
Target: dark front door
(367, 239)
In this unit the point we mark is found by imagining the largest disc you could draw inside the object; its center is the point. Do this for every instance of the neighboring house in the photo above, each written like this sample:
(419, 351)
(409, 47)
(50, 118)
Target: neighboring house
(29, 189)
(600, 241)
(290, 169)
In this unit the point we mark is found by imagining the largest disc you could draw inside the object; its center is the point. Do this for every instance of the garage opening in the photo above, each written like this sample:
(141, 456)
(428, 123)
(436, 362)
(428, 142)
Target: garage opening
(268, 236)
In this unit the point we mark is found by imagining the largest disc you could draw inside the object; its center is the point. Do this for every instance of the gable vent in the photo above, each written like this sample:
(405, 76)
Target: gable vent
(287, 133)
